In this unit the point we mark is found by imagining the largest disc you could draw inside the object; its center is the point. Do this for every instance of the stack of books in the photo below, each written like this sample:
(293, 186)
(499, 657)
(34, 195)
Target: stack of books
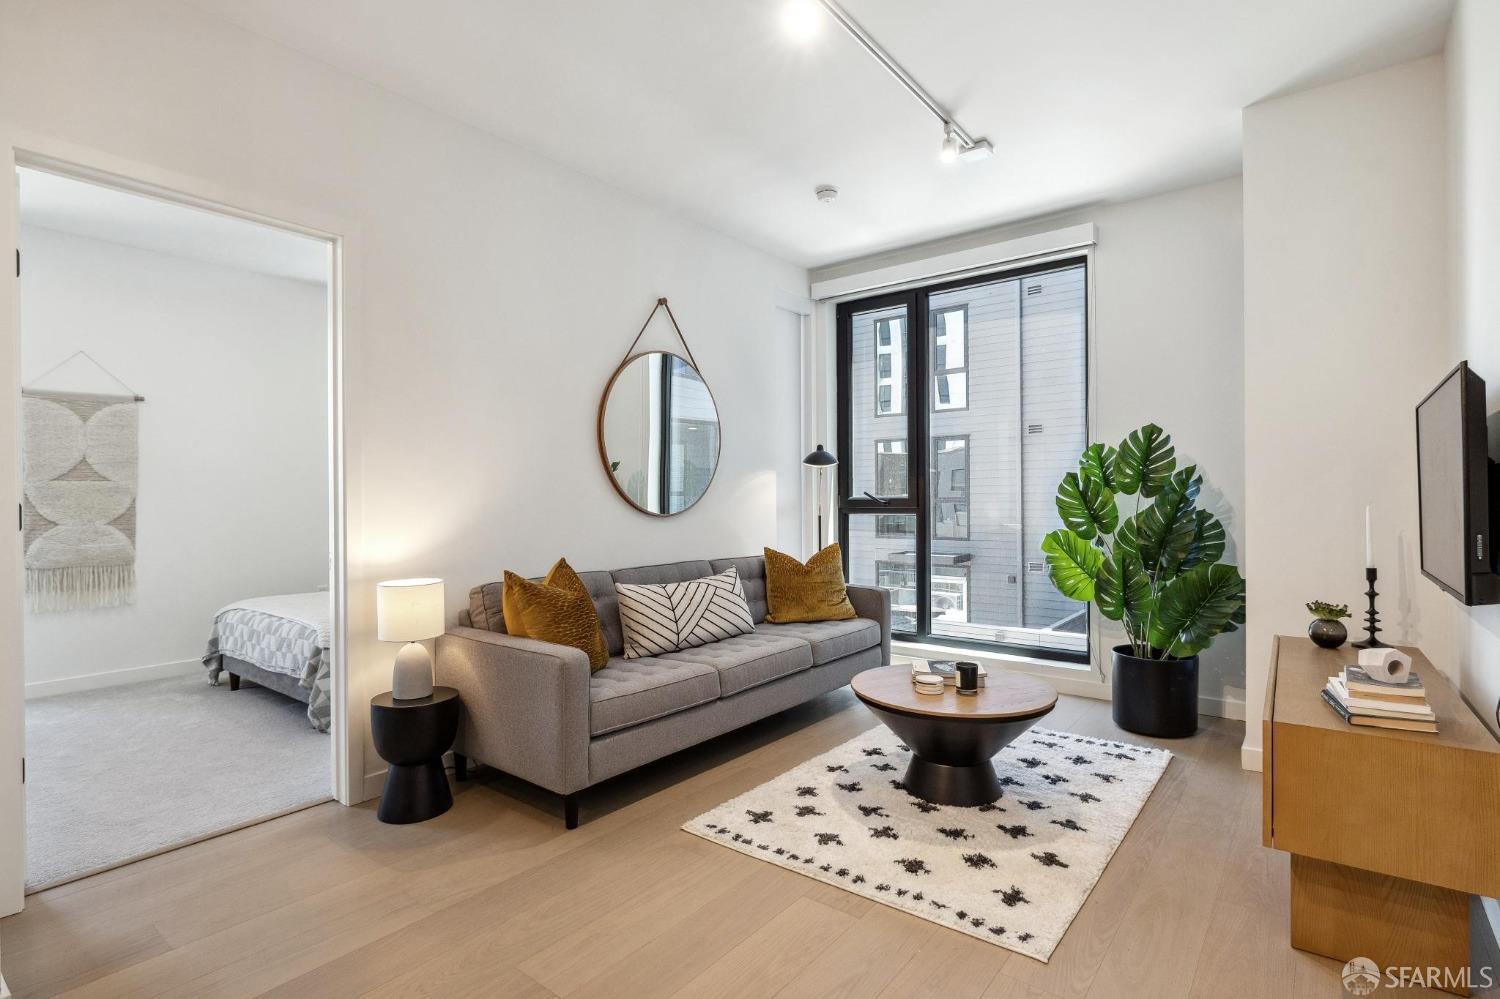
(945, 669)
(1361, 700)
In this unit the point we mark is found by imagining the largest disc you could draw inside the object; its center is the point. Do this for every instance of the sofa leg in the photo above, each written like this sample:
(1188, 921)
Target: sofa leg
(460, 766)
(570, 811)
(234, 681)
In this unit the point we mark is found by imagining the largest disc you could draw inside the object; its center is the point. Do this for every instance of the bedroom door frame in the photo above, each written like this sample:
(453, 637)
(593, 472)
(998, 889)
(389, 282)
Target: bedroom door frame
(22, 149)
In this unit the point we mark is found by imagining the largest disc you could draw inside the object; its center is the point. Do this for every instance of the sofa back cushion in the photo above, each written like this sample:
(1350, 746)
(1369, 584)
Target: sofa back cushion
(752, 570)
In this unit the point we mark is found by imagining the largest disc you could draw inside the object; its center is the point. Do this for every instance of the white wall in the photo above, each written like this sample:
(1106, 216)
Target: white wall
(1346, 326)
(233, 483)
(1473, 58)
(489, 295)
(1166, 345)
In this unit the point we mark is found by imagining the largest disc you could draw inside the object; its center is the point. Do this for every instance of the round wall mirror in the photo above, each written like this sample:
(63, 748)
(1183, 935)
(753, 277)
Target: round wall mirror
(659, 433)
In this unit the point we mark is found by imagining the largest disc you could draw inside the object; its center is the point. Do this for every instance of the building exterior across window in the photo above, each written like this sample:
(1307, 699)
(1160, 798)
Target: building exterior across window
(961, 406)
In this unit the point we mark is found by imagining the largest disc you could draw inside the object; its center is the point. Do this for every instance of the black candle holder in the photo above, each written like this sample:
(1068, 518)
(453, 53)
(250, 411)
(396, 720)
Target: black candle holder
(1372, 618)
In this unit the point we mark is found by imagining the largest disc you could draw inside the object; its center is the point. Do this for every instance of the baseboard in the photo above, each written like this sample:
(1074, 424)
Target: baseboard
(1222, 707)
(374, 784)
(1251, 758)
(114, 678)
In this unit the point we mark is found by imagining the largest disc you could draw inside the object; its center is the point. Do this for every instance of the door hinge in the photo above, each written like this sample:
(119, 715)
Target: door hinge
(23, 770)
(18, 263)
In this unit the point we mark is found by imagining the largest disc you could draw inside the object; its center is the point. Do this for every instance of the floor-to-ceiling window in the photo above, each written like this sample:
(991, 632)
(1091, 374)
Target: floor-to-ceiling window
(961, 406)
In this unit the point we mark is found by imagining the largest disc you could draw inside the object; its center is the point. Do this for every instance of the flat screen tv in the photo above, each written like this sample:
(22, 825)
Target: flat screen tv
(1456, 481)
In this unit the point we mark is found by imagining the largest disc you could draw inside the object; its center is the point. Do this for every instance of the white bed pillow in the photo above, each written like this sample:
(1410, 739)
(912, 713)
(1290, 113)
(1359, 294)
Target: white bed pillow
(668, 617)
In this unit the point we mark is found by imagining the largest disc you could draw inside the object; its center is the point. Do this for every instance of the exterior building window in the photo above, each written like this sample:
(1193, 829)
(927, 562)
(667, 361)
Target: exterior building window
(890, 468)
(950, 488)
(890, 369)
(950, 358)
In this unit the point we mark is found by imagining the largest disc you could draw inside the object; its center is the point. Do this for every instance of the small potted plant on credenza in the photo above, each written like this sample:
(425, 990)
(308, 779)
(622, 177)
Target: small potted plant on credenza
(1158, 571)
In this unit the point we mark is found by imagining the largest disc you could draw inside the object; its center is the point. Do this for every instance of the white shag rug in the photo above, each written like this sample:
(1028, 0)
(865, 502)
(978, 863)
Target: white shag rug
(119, 773)
(1014, 872)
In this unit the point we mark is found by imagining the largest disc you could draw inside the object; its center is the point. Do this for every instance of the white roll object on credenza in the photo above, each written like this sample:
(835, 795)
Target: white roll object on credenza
(1385, 665)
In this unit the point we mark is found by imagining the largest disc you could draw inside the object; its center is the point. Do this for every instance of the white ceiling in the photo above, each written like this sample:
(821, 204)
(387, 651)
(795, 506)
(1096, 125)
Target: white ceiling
(707, 105)
(73, 206)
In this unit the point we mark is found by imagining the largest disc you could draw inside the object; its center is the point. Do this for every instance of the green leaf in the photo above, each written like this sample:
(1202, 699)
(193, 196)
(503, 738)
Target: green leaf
(1164, 531)
(1123, 588)
(1144, 462)
(1196, 606)
(1207, 545)
(1086, 506)
(1098, 460)
(1127, 538)
(1073, 563)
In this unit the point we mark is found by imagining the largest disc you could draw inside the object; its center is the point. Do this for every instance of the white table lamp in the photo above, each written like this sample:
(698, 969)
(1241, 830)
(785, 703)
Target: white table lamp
(410, 610)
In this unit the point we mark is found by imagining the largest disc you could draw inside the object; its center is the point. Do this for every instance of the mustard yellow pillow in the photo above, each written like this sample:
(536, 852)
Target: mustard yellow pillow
(558, 610)
(811, 592)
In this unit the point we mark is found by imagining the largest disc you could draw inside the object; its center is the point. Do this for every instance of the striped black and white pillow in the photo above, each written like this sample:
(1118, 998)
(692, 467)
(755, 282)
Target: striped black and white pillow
(666, 617)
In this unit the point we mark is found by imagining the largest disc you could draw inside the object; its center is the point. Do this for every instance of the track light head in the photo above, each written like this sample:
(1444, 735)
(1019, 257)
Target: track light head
(802, 20)
(951, 146)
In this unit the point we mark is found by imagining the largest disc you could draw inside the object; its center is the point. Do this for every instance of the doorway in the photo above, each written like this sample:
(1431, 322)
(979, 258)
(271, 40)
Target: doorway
(180, 571)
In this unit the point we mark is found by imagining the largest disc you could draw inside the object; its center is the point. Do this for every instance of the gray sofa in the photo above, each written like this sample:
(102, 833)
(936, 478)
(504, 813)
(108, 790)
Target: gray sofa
(534, 710)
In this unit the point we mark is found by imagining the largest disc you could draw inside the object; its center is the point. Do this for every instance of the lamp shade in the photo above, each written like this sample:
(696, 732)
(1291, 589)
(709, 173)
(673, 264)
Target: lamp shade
(409, 610)
(820, 457)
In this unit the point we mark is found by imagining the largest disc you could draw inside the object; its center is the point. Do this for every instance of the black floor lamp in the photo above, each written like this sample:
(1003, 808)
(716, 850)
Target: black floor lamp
(820, 459)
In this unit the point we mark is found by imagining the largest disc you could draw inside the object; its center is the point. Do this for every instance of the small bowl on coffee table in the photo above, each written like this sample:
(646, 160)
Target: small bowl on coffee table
(954, 739)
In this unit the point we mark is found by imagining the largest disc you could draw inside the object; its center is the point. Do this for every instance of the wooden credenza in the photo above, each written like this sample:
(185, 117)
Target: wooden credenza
(1390, 832)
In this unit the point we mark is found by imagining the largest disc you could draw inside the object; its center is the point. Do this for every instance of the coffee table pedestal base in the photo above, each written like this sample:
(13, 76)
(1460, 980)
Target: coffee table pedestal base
(945, 784)
(951, 757)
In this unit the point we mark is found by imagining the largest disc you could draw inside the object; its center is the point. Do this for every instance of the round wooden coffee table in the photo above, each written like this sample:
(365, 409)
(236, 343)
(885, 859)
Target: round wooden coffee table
(954, 737)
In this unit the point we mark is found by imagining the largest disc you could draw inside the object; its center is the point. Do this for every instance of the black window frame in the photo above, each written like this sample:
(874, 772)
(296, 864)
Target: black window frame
(918, 416)
(962, 369)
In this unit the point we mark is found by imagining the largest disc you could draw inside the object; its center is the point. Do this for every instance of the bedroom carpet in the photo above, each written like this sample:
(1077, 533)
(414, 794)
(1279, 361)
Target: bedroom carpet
(116, 774)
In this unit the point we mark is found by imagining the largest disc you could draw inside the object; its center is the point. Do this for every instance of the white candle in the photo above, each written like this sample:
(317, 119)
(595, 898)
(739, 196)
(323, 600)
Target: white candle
(1369, 548)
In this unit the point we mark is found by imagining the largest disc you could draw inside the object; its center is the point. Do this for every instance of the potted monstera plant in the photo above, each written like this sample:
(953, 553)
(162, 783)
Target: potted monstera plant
(1157, 570)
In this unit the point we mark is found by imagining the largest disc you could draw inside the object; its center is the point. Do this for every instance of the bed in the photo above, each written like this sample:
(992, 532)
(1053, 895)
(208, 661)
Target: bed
(280, 642)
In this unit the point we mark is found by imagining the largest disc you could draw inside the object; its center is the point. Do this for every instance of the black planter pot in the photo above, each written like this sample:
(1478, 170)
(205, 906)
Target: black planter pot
(1155, 696)
(1328, 634)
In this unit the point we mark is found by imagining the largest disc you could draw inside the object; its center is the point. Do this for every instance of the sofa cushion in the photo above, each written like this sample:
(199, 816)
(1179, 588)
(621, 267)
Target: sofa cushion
(485, 608)
(747, 661)
(558, 610)
(631, 691)
(666, 617)
(666, 572)
(806, 591)
(830, 640)
(752, 570)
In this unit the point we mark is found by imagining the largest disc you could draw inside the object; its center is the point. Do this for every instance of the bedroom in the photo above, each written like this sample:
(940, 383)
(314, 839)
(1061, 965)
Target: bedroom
(176, 362)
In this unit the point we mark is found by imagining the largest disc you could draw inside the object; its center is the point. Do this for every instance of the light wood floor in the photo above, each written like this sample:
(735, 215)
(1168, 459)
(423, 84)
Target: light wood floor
(497, 899)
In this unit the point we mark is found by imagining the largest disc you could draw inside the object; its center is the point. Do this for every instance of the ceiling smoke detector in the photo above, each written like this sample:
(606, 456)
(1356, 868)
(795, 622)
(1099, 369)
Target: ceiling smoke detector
(827, 194)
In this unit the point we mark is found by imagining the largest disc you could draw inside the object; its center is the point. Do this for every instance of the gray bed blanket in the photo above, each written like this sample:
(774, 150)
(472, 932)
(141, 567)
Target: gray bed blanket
(287, 634)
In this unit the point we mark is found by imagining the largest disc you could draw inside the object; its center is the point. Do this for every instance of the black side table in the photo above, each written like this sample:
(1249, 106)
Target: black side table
(412, 737)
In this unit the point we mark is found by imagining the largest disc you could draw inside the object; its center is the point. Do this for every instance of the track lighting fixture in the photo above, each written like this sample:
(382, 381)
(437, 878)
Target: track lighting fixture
(801, 19)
